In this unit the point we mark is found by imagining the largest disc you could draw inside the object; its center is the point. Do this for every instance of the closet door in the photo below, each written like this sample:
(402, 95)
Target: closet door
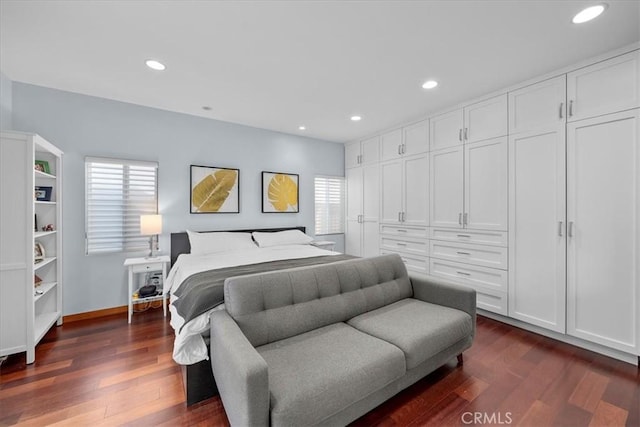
(486, 184)
(486, 119)
(391, 192)
(445, 130)
(352, 155)
(603, 210)
(539, 106)
(416, 190)
(370, 149)
(537, 228)
(447, 187)
(353, 236)
(370, 210)
(391, 144)
(416, 138)
(604, 87)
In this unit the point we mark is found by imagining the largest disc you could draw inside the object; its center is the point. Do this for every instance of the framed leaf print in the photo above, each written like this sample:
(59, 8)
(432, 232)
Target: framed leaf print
(279, 192)
(214, 190)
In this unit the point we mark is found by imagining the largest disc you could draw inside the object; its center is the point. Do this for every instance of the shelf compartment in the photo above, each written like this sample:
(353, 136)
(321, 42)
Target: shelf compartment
(44, 262)
(43, 322)
(45, 287)
(38, 234)
(39, 174)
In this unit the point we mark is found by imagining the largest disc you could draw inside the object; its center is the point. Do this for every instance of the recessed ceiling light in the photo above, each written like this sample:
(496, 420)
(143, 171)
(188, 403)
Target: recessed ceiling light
(302, 127)
(155, 65)
(589, 13)
(356, 118)
(430, 84)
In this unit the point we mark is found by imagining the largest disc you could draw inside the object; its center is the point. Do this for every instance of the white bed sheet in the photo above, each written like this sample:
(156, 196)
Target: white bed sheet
(188, 346)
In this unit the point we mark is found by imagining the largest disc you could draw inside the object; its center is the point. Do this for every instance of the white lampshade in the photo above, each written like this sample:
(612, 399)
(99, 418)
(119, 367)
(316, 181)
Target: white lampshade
(150, 225)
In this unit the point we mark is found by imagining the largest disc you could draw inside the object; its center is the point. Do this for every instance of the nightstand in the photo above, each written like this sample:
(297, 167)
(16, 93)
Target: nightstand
(144, 266)
(324, 244)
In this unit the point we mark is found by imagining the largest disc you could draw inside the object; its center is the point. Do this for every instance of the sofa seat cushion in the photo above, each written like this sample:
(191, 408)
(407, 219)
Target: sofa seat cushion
(418, 328)
(319, 373)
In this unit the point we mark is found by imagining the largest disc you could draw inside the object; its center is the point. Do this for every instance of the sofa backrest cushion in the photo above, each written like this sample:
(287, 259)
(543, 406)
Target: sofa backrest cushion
(280, 304)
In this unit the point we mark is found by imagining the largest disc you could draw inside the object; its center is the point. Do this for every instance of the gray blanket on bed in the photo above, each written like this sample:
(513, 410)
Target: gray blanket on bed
(203, 291)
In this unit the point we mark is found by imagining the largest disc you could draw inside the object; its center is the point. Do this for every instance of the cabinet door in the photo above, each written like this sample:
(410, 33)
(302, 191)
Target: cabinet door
(416, 138)
(391, 194)
(391, 145)
(605, 87)
(445, 130)
(603, 249)
(370, 239)
(537, 228)
(485, 175)
(370, 149)
(370, 193)
(539, 106)
(352, 155)
(353, 235)
(416, 190)
(447, 185)
(486, 119)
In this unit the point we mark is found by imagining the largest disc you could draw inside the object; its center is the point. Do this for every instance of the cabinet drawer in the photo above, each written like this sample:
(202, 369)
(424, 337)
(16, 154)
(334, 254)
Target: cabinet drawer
(395, 230)
(416, 263)
(144, 268)
(495, 238)
(410, 246)
(494, 302)
(487, 256)
(480, 278)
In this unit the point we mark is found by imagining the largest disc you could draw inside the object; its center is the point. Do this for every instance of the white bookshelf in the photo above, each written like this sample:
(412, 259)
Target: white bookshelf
(28, 311)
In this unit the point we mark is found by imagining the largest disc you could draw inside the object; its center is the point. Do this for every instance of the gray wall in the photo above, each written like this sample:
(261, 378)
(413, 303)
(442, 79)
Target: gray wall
(87, 126)
(6, 95)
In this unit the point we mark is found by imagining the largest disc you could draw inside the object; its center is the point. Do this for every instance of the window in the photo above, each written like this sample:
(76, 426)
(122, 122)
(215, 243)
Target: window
(329, 201)
(117, 193)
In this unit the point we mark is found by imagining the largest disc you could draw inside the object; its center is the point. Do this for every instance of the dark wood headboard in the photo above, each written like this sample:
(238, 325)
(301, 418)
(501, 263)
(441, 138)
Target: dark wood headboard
(180, 241)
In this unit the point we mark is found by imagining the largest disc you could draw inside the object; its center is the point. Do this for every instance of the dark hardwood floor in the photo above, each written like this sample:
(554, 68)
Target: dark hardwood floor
(106, 372)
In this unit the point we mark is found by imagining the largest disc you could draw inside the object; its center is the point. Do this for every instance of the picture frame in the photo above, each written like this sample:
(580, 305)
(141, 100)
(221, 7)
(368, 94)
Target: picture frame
(42, 194)
(214, 190)
(42, 166)
(280, 192)
(39, 253)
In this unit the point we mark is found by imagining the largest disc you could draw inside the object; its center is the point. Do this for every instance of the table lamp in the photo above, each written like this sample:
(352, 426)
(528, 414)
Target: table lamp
(150, 225)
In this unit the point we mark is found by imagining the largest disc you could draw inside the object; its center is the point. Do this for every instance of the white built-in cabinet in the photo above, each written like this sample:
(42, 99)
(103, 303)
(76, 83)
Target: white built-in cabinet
(363, 200)
(29, 309)
(537, 204)
(362, 153)
(469, 167)
(531, 197)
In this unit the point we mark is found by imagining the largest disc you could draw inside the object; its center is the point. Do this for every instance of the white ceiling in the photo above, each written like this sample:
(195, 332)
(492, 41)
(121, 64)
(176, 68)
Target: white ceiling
(278, 65)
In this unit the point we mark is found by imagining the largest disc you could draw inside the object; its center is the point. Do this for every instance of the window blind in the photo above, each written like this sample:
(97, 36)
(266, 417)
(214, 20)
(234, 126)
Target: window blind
(117, 193)
(329, 205)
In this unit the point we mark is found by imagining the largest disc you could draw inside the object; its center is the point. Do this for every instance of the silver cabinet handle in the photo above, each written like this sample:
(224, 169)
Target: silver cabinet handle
(464, 235)
(571, 108)
(400, 149)
(466, 134)
(404, 148)
(463, 273)
(570, 231)
(561, 105)
(399, 216)
(560, 228)
(460, 218)
(465, 217)
(403, 216)
(401, 244)
(400, 230)
(460, 134)
(463, 253)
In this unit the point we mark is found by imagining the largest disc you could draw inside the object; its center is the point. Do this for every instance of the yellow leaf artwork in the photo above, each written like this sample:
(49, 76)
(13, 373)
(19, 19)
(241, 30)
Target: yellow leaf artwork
(283, 192)
(212, 191)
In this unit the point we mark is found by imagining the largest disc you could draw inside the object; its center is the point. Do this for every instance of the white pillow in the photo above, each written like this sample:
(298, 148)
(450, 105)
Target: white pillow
(223, 241)
(277, 238)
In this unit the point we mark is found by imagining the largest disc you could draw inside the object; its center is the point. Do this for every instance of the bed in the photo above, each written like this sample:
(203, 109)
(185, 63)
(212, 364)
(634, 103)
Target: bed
(195, 283)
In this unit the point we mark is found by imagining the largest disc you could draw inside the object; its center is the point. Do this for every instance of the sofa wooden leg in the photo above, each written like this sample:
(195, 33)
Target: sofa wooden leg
(460, 360)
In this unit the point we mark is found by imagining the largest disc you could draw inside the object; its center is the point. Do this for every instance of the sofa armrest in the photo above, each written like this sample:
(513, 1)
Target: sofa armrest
(241, 373)
(439, 291)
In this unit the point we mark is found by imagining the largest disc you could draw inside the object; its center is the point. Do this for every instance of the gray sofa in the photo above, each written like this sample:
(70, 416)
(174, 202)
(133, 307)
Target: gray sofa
(323, 345)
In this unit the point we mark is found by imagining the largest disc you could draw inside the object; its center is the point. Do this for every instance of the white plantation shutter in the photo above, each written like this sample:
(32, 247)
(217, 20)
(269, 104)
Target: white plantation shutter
(329, 201)
(117, 193)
